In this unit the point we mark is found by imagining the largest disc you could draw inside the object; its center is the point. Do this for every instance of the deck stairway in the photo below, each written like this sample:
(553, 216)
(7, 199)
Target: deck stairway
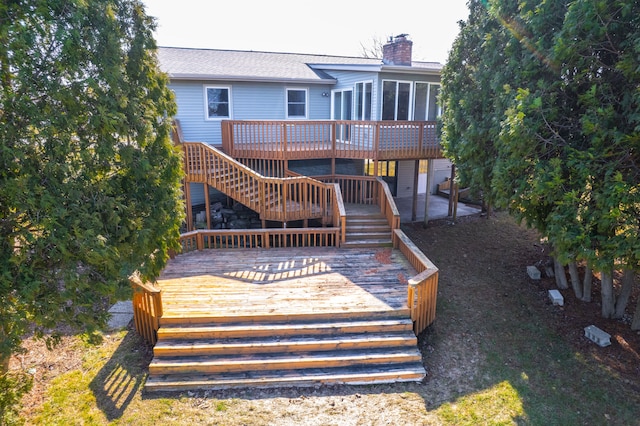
(277, 199)
(366, 228)
(287, 350)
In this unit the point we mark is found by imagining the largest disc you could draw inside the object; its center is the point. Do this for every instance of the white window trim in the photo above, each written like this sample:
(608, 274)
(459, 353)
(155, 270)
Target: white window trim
(333, 98)
(206, 102)
(306, 103)
(411, 98)
(355, 102)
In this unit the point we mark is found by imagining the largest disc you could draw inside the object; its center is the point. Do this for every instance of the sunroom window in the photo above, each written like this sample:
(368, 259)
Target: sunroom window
(426, 105)
(396, 100)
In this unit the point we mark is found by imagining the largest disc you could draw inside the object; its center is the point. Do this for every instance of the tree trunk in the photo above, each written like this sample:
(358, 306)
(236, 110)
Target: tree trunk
(489, 209)
(561, 277)
(625, 292)
(635, 324)
(608, 297)
(586, 284)
(575, 280)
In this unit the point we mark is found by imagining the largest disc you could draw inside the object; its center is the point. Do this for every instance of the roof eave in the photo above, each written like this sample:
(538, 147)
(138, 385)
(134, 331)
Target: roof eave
(217, 77)
(410, 70)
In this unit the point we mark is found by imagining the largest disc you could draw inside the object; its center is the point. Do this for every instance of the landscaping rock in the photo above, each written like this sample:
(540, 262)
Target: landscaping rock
(556, 297)
(533, 272)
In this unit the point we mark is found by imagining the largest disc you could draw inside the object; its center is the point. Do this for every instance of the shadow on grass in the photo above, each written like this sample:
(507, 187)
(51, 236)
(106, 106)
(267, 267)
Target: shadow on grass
(121, 378)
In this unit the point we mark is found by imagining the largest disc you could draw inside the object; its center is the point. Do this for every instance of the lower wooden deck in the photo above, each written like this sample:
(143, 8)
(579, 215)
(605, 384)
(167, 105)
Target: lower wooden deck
(280, 282)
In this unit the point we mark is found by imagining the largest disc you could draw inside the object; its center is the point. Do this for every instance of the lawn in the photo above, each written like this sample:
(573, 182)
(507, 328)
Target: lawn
(498, 353)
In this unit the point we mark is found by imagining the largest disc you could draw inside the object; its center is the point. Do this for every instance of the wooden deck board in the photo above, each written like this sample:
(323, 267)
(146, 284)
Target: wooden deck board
(284, 282)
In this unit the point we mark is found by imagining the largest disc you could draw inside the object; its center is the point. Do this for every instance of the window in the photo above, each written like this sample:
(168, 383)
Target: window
(363, 100)
(396, 100)
(296, 103)
(218, 102)
(434, 107)
(426, 105)
(342, 104)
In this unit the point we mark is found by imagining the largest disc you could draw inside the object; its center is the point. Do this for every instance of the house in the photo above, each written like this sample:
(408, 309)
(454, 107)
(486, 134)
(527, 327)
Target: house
(216, 86)
(325, 288)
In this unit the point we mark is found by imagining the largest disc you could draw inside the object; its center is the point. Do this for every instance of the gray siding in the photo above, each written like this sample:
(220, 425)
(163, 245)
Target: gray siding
(348, 79)
(249, 101)
(190, 100)
(405, 178)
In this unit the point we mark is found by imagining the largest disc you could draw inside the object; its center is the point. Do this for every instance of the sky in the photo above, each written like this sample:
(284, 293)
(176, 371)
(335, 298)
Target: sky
(327, 27)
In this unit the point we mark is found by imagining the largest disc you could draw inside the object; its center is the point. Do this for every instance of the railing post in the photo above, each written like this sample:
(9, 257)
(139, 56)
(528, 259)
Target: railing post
(422, 150)
(200, 241)
(285, 198)
(284, 141)
(376, 141)
(334, 124)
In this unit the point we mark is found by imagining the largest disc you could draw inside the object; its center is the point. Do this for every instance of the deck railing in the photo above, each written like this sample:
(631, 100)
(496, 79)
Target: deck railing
(147, 308)
(422, 290)
(305, 139)
(367, 190)
(387, 206)
(339, 212)
(355, 189)
(278, 199)
(259, 238)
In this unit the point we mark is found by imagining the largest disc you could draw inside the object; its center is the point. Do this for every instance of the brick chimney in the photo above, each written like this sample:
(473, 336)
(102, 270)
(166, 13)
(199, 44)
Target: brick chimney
(397, 51)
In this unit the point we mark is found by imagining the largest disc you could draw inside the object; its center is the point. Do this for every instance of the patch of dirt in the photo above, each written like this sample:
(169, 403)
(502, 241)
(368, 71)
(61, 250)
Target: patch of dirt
(504, 258)
(44, 365)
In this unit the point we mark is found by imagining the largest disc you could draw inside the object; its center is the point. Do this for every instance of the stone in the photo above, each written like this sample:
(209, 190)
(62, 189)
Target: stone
(556, 297)
(598, 336)
(121, 315)
(533, 272)
(549, 271)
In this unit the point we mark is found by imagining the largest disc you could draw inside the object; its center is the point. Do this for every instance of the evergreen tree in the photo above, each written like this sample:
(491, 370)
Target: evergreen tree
(89, 179)
(568, 151)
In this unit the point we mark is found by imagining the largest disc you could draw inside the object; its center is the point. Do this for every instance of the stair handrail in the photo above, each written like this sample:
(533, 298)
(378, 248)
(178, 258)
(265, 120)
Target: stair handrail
(147, 308)
(292, 198)
(422, 289)
(339, 212)
(387, 205)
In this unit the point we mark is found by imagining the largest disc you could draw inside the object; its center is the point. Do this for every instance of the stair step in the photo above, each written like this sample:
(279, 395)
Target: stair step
(367, 220)
(281, 378)
(275, 318)
(248, 345)
(368, 243)
(221, 331)
(214, 364)
(351, 236)
(368, 228)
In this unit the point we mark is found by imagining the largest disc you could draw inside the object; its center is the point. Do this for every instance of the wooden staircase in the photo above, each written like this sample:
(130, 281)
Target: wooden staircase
(286, 350)
(277, 199)
(367, 230)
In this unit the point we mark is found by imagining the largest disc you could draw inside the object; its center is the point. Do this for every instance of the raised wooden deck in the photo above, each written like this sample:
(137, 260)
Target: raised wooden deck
(283, 317)
(256, 282)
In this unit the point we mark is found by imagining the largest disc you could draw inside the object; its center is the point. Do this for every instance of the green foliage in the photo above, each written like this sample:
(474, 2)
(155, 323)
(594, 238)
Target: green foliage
(13, 385)
(89, 179)
(562, 150)
(471, 121)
